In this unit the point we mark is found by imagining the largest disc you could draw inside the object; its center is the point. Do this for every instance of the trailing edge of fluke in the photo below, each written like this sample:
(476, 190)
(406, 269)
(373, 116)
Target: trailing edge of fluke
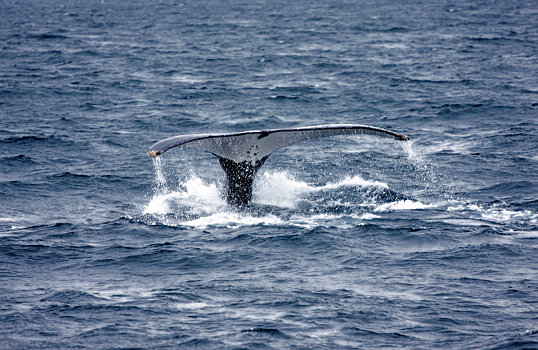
(242, 154)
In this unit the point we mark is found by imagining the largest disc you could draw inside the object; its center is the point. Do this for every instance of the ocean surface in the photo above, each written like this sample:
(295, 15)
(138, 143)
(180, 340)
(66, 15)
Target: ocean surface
(351, 242)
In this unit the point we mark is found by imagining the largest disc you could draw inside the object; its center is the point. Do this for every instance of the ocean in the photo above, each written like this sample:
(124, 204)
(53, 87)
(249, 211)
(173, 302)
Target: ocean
(351, 242)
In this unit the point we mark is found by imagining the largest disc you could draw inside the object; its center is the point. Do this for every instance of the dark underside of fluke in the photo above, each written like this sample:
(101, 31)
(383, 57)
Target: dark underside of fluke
(242, 154)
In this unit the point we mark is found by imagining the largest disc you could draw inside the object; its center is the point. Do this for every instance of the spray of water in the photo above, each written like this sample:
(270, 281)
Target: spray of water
(160, 179)
(426, 175)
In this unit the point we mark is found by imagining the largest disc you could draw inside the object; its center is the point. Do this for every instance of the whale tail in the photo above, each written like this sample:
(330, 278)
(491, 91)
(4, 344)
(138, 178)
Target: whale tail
(242, 154)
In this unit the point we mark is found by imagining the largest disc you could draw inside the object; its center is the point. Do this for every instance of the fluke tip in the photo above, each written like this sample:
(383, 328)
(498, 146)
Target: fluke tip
(154, 153)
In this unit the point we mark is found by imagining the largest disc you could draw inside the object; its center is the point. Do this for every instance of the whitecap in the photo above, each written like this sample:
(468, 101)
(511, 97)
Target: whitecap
(402, 205)
(496, 213)
(230, 219)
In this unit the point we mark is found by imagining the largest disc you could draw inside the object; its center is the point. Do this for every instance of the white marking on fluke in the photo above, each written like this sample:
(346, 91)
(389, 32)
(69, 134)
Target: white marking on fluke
(242, 154)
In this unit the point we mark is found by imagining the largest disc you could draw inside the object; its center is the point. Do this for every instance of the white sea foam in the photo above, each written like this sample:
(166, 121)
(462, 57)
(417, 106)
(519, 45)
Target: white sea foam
(232, 219)
(504, 215)
(356, 181)
(496, 213)
(524, 234)
(9, 219)
(402, 205)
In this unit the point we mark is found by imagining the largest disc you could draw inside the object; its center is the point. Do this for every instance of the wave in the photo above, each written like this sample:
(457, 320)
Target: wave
(33, 138)
(17, 160)
(47, 36)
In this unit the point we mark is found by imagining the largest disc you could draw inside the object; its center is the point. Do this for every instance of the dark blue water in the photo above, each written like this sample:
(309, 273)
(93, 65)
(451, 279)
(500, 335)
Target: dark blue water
(351, 242)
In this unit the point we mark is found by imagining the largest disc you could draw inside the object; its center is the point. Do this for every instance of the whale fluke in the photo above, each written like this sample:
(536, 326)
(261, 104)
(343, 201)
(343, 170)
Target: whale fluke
(242, 154)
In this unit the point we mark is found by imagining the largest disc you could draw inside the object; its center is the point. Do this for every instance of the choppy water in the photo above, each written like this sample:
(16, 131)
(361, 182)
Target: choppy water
(351, 242)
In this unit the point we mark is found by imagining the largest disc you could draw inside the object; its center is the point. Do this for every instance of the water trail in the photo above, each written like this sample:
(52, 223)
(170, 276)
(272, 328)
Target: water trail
(160, 178)
(440, 187)
(417, 159)
(426, 175)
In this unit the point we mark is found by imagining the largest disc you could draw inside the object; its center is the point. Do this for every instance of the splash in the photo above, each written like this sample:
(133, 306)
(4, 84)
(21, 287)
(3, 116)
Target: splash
(281, 190)
(193, 195)
(279, 199)
(278, 189)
